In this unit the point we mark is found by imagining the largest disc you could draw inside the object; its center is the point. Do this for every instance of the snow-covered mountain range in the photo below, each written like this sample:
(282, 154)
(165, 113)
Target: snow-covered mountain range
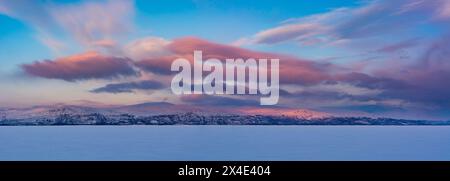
(163, 113)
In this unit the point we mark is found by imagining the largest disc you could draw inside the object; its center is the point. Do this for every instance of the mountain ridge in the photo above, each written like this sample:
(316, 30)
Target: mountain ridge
(147, 114)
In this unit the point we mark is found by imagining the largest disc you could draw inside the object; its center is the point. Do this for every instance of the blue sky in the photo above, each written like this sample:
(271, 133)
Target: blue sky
(208, 19)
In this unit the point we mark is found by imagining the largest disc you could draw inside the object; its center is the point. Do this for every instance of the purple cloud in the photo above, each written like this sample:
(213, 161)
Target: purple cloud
(399, 46)
(372, 19)
(90, 65)
(128, 87)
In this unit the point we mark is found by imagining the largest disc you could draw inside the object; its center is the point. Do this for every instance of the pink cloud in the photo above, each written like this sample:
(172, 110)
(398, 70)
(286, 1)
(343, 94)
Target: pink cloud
(89, 65)
(292, 70)
(158, 65)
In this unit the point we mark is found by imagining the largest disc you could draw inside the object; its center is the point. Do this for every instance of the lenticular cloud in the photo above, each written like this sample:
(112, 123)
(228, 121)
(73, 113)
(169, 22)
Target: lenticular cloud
(90, 65)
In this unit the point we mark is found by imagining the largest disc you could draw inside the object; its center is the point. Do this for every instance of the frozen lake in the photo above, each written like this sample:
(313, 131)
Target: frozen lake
(225, 143)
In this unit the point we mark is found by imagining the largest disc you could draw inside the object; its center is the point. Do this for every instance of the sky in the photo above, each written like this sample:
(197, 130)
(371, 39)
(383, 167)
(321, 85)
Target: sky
(346, 57)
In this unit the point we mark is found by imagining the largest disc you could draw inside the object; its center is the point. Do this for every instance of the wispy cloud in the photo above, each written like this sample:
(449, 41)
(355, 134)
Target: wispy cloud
(93, 25)
(399, 46)
(372, 19)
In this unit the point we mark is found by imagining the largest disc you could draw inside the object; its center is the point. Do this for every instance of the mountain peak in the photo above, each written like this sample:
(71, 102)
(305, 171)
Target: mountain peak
(288, 112)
